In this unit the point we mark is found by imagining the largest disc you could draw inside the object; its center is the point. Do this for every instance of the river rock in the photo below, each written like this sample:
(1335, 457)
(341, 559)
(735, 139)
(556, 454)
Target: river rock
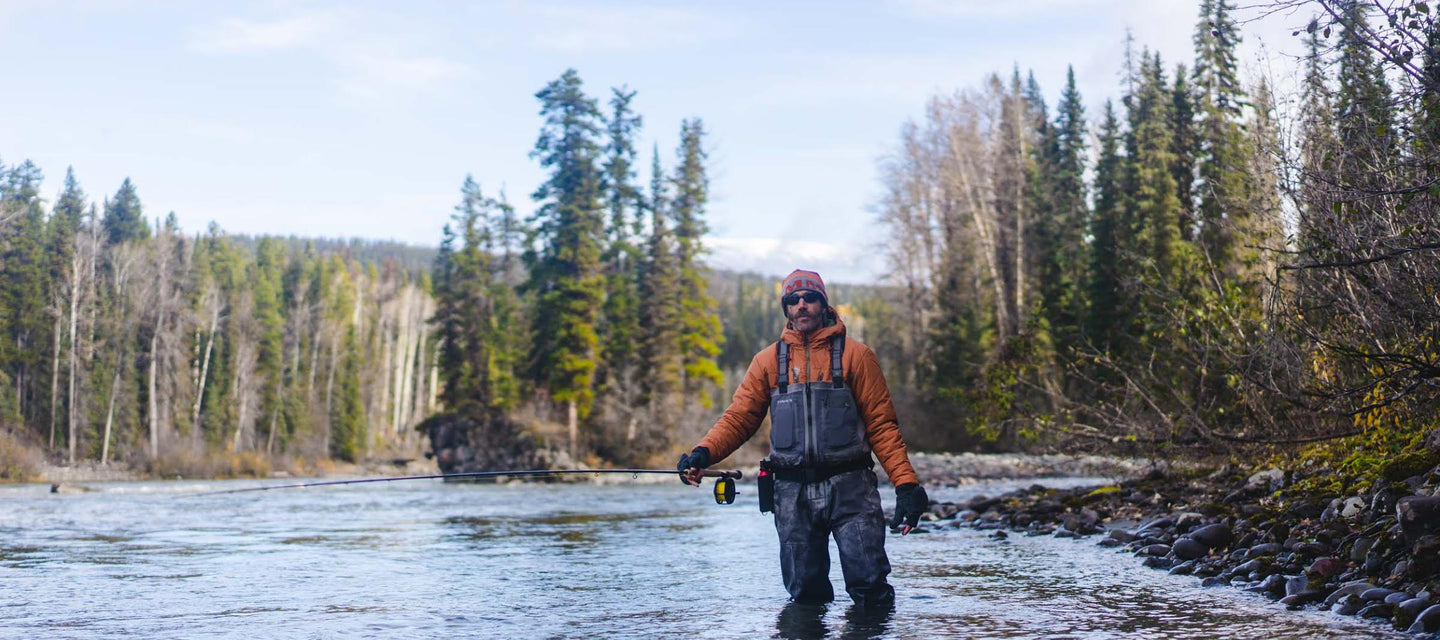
(1349, 589)
(1267, 480)
(1155, 525)
(1377, 610)
(1154, 550)
(1348, 605)
(1352, 507)
(1376, 595)
(1158, 562)
(1247, 567)
(1303, 598)
(1296, 584)
(1187, 521)
(1188, 549)
(1418, 516)
(1213, 536)
(1326, 567)
(1214, 581)
(1360, 548)
(1273, 585)
(1428, 621)
(1412, 607)
(1397, 597)
(1183, 569)
(1313, 549)
(1120, 535)
(1267, 549)
(1425, 557)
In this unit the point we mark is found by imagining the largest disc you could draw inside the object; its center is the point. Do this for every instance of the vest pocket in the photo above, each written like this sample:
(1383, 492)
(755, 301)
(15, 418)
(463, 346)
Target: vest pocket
(785, 419)
(839, 419)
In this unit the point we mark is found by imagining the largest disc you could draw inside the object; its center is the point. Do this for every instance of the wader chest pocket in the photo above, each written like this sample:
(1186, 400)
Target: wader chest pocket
(840, 420)
(785, 419)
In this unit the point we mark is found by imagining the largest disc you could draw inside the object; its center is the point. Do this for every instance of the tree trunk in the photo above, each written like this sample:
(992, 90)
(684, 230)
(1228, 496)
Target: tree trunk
(574, 422)
(109, 420)
(55, 379)
(152, 405)
(205, 367)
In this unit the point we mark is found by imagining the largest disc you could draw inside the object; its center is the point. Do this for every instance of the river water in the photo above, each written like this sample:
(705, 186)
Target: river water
(425, 559)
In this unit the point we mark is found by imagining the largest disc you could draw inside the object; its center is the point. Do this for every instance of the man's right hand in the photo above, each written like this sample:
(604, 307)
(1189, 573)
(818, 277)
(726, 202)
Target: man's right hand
(692, 464)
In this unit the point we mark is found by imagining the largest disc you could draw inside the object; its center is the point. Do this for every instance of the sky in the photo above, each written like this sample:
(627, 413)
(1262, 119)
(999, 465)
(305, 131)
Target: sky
(362, 119)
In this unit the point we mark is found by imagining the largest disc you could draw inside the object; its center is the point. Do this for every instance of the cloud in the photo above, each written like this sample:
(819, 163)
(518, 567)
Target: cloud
(1016, 9)
(595, 29)
(372, 64)
(237, 35)
(835, 262)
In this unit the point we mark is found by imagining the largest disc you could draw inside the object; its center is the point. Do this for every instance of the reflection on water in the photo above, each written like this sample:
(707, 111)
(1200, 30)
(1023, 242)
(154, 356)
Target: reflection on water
(431, 560)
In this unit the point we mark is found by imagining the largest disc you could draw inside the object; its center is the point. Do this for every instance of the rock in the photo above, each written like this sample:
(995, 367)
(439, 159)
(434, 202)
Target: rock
(1348, 605)
(1311, 509)
(1155, 525)
(1296, 584)
(1425, 557)
(1246, 567)
(1158, 562)
(1397, 597)
(1377, 610)
(1352, 506)
(1273, 585)
(1154, 550)
(1432, 439)
(1412, 607)
(1121, 535)
(1213, 536)
(1188, 549)
(1303, 598)
(1325, 567)
(1267, 549)
(1063, 532)
(1418, 516)
(1214, 581)
(1187, 521)
(1376, 595)
(999, 535)
(1428, 621)
(1268, 480)
(1348, 589)
(1183, 569)
(1360, 548)
(1110, 542)
(1313, 549)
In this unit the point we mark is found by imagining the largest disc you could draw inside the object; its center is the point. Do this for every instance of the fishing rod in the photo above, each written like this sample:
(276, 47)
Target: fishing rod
(724, 480)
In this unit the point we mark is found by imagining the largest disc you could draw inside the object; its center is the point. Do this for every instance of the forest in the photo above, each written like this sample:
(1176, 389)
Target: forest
(1206, 266)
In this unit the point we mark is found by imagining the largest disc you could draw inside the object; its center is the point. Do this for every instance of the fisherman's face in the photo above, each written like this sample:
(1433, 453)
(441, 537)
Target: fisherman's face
(807, 312)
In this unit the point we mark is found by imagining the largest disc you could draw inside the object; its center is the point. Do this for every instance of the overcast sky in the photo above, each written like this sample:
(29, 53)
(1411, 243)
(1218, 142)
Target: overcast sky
(327, 118)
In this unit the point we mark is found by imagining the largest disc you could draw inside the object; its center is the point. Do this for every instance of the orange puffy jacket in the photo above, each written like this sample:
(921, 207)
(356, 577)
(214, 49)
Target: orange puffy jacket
(810, 362)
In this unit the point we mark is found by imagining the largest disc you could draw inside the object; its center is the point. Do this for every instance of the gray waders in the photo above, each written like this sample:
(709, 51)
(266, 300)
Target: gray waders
(825, 486)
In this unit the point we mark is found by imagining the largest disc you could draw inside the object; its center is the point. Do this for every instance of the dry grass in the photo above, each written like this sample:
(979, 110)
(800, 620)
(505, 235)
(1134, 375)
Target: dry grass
(18, 462)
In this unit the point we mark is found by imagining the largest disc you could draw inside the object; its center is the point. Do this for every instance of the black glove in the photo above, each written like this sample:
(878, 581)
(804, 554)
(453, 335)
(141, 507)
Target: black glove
(910, 502)
(697, 459)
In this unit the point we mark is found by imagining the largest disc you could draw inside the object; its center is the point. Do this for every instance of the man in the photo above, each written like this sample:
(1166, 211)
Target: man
(829, 409)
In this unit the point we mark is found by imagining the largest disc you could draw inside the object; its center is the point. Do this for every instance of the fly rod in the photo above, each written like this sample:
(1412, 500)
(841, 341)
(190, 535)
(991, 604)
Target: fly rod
(724, 483)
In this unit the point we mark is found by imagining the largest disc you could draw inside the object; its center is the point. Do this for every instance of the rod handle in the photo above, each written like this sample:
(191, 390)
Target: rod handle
(710, 473)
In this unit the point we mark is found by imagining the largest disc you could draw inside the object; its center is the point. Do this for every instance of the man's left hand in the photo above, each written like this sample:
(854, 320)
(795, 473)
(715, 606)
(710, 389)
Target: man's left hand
(692, 464)
(910, 502)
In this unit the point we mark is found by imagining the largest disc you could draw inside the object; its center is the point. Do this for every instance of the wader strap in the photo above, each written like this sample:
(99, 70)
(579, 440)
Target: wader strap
(782, 358)
(837, 354)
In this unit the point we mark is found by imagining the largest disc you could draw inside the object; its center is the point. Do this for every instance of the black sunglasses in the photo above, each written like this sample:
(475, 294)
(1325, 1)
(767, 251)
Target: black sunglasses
(810, 297)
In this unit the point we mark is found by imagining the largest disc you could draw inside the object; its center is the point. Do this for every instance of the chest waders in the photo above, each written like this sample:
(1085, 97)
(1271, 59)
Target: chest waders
(822, 486)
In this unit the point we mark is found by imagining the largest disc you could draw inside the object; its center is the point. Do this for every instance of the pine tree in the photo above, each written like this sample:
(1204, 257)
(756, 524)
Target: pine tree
(701, 337)
(565, 273)
(620, 315)
(124, 219)
(1186, 149)
(1063, 275)
(347, 419)
(1222, 145)
(660, 299)
(1106, 309)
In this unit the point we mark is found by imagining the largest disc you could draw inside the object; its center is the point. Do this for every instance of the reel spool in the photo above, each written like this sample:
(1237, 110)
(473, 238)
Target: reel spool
(724, 490)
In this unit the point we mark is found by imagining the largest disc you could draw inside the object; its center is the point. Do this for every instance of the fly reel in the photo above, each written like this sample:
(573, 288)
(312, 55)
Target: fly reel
(724, 490)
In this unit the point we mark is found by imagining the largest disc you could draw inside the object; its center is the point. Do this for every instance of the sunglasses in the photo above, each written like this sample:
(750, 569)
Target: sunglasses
(810, 297)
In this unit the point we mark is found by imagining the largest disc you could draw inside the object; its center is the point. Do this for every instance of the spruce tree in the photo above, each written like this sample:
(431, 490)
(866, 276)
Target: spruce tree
(1222, 145)
(660, 300)
(1063, 275)
(620, 315)
(701, 337)
(124, 219)
(1106, 309)
(565, 272)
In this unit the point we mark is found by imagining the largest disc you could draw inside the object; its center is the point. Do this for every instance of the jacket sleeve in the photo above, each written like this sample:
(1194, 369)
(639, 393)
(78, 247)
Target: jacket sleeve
(746, 411)
(872, 396)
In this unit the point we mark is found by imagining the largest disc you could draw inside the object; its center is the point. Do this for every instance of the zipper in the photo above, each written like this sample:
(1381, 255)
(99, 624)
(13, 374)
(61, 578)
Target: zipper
(810, 434)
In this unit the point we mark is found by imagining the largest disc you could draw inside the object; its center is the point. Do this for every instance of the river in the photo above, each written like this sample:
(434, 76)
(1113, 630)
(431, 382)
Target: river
(425, 559)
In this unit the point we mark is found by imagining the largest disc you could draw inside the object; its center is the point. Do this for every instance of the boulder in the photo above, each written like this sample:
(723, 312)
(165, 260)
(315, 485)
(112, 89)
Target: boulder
(1425, 557)
(1417, 516)
(1352, 507)
(1377, 594)
(1296, 584)
(1273, 585)
(1349, 589)
(1348, 605)
(1412, 607)
(1326, 567)
(1213, 536)
(1428, 621)
(1189, 549)
(1267, 480)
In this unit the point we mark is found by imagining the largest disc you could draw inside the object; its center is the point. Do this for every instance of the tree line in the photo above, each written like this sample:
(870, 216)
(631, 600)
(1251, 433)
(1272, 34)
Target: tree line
(123, 339)
(593, 313)
(1194, 267)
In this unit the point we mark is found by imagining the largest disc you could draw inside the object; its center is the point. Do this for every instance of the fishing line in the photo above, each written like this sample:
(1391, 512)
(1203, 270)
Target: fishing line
(724, 480)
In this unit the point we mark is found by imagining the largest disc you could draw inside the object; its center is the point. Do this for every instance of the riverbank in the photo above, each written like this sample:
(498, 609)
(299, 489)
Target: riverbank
(1372, 553)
